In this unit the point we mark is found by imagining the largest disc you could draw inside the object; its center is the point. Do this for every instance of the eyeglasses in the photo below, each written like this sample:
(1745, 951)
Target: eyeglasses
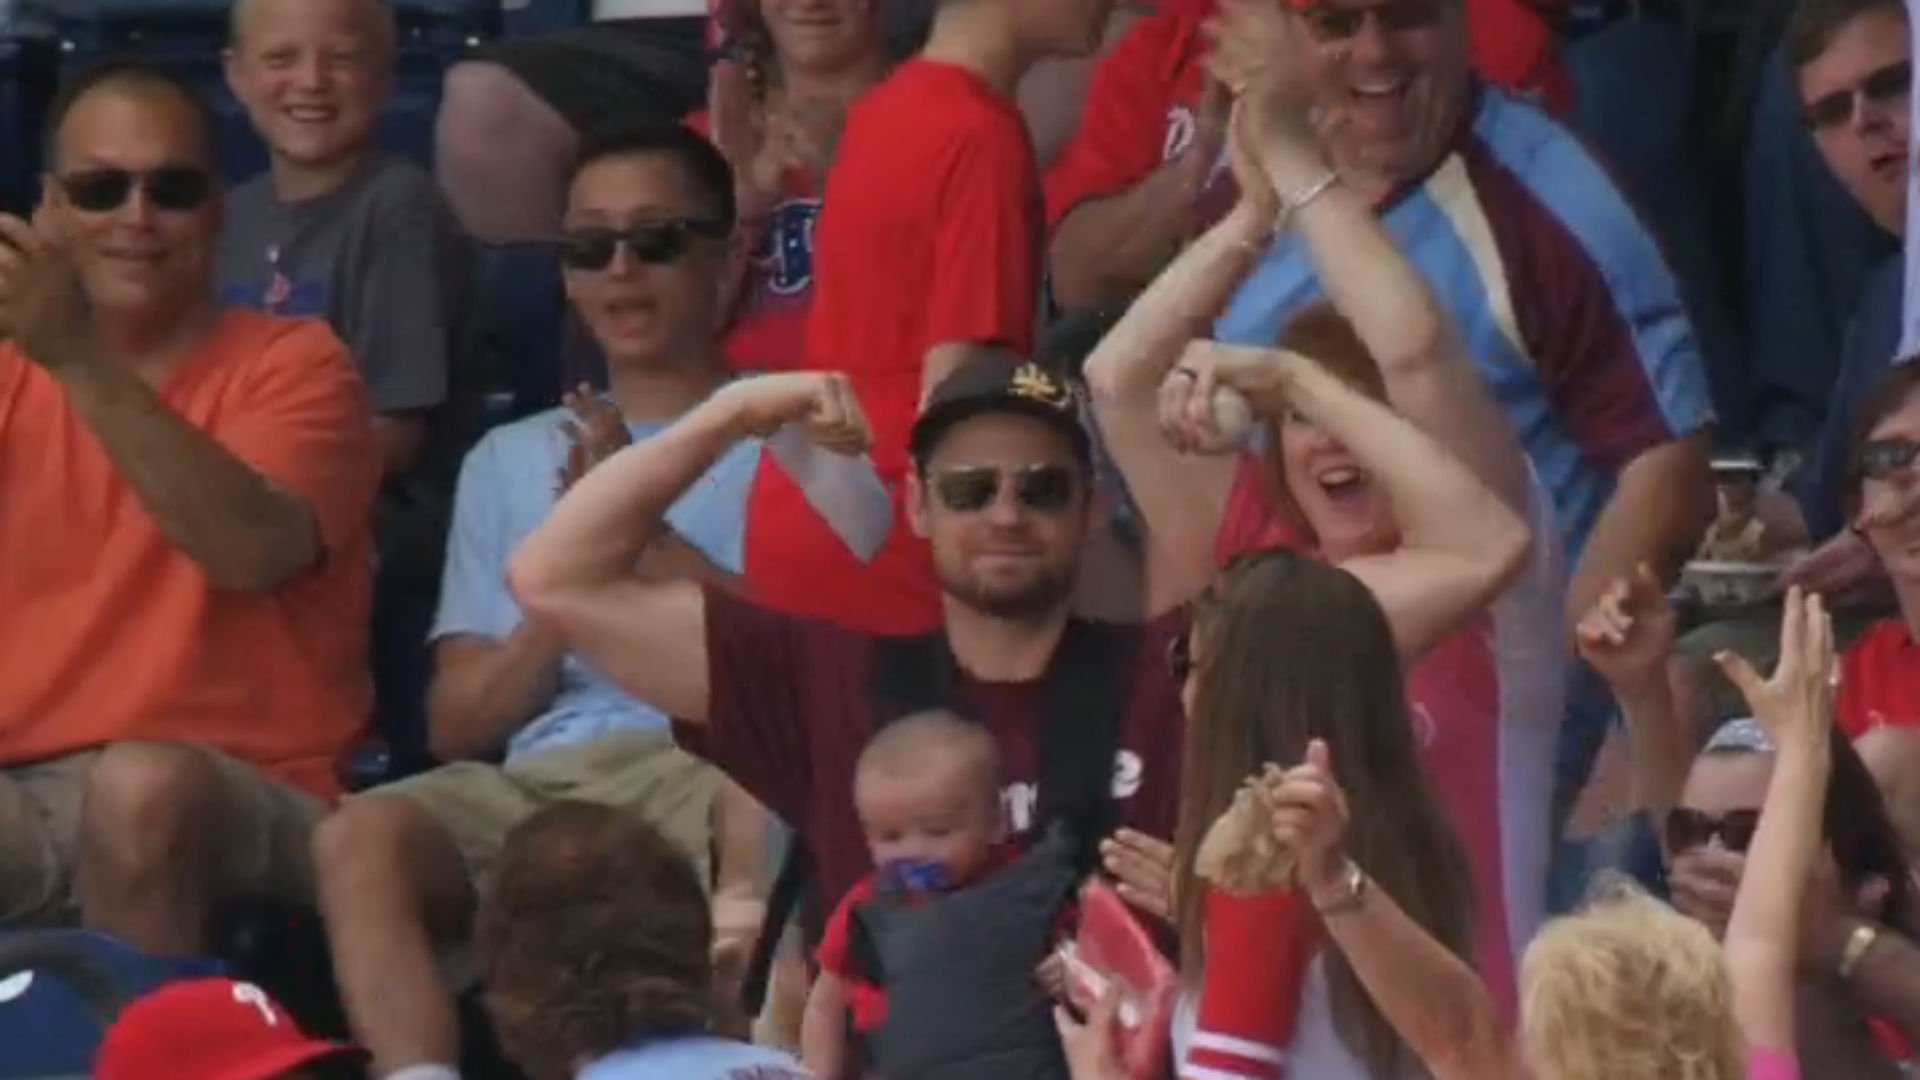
(657, 243)
(1180, 656)
(1330, 24)
(1688, 829)
(1882, 459)
(176, 189)
(1886, 85)
(968, 489)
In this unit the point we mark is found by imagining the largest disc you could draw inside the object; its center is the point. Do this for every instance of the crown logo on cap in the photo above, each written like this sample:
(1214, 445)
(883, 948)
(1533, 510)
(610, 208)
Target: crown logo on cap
(1032, 382)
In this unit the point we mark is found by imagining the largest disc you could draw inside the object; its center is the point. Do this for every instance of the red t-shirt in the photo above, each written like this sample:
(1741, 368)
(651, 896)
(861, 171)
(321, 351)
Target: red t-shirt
(930, 233)
(1880, 681)
(770, 324)
(1140, 109)
(789, 712)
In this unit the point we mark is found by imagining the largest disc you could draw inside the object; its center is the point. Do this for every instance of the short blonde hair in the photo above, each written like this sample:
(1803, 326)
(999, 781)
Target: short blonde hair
(1628, 989)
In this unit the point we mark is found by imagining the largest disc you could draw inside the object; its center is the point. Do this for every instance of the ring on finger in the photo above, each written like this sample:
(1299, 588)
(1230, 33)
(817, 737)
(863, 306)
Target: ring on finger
(1188, 372)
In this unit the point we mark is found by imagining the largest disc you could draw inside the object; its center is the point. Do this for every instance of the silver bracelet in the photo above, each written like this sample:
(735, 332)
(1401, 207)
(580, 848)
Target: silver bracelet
(1305, 197)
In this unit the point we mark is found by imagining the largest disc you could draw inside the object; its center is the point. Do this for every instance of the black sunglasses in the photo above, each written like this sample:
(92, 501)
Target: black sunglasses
(176, 189)
(1330, 24)
(1882, 459)
(1688, 829)
(1882, 86)
(657, 243)
(1043, 489)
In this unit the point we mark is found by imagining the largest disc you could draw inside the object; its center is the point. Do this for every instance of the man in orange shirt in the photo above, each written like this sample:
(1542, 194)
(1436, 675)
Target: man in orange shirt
(184, 552)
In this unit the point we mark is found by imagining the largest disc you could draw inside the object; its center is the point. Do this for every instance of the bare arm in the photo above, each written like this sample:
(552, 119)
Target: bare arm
(823, 1029)
(575, 572)
(1658, 512)
(1429, 374)
(1764, 932)
(485, 690)
(1181, 496)
(1433, 999)
(245, 534)
(1105, 250)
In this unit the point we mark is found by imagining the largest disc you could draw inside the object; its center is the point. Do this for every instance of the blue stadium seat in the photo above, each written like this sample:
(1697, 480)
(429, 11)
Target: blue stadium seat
(28, 59)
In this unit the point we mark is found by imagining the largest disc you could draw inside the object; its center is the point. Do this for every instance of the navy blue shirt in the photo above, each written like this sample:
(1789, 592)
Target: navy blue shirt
(1872, 339)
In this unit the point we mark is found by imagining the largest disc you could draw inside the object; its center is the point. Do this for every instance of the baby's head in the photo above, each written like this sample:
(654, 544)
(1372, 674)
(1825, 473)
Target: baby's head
(927, 789)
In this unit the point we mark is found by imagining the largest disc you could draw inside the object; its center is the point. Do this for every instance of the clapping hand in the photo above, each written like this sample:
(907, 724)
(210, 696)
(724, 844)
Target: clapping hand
(1795, 704)
(596, 431)
(1257, 46)
(42, 306)
(1628, 633)
(823, 402)
(1309, 813)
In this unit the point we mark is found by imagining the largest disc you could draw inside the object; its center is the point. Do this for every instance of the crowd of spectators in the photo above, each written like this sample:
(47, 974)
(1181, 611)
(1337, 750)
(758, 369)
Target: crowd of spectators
(1256, 482)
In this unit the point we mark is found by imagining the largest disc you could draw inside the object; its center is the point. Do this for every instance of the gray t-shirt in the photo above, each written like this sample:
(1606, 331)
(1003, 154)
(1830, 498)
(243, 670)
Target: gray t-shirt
(382, 260)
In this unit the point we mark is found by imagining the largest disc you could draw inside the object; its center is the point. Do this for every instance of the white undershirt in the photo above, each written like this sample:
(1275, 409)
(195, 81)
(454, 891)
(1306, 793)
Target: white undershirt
(646, 9)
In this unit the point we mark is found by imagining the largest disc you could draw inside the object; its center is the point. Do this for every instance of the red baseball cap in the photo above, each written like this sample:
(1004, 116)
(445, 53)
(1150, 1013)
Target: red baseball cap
(207, 1029)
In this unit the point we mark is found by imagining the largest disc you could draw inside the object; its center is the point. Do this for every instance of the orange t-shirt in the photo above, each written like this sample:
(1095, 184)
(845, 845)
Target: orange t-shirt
(108, 633)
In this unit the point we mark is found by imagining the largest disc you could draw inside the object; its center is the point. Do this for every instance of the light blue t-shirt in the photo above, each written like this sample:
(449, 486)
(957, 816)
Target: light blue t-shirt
(508, 485)
(697, 1058)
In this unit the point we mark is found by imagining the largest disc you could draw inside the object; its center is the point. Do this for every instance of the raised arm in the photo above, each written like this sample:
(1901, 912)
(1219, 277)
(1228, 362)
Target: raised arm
(1182, 496)
(1460, 544)
(577, 571)
(1764, 932)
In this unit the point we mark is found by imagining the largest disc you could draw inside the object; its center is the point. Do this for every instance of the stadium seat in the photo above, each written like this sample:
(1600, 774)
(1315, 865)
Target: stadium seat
(28, 59)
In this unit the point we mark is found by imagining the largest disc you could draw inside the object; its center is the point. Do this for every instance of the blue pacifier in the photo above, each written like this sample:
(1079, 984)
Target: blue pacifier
(916, 875)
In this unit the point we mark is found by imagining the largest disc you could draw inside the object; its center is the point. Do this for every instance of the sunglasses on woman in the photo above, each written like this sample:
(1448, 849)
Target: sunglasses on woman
(1689, 829)
(1884, 86)
(968, 489)
(177, 189)
(656, 243)
(1882, 459)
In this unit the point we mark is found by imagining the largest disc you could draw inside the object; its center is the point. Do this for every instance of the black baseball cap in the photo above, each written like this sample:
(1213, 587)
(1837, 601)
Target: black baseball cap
(993, 381)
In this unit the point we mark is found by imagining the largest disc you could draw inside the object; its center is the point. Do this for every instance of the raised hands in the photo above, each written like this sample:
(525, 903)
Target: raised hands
(1628, 633)
(42, 306)
(595, 432)
(1215, 391)
(767, 139)
(1258, 46)
(1310, 820)
(1795, 704)
(823, 402)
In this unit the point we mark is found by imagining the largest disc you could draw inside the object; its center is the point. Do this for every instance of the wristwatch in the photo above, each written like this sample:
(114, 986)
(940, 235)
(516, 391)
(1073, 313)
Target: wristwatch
(1348, 898)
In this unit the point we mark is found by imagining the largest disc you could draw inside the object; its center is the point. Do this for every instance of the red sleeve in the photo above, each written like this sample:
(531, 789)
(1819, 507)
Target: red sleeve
(1861, 670)
(1123, 126)
(771, 679)
(1258, 952)
(833, 953)
(1251, 521)
(697, 120)
(986, 284)
(307, 427)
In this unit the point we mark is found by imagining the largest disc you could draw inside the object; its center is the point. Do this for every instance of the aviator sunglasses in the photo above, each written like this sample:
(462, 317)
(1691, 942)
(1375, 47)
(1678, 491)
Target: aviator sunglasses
(1689, 829)
(1883, 86)
(175, 189)
(967, 489)
(656, 243)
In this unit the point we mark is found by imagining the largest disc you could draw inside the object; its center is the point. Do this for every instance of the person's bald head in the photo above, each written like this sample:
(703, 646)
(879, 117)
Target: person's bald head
(313, 76)
(930, 741)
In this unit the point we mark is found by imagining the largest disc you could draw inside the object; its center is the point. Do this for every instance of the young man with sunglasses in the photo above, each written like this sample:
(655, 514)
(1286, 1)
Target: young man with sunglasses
(1086, 715)
(184, 497)
(335, 228)
(1853, 62)
(644, 251)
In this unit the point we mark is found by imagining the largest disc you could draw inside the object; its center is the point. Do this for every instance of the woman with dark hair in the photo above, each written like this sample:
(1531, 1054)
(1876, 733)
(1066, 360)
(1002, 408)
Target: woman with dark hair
(594, 943)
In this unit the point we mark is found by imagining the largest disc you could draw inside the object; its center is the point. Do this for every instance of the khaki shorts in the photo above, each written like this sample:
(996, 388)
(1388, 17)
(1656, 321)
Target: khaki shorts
(479, 804)
(265, 825)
